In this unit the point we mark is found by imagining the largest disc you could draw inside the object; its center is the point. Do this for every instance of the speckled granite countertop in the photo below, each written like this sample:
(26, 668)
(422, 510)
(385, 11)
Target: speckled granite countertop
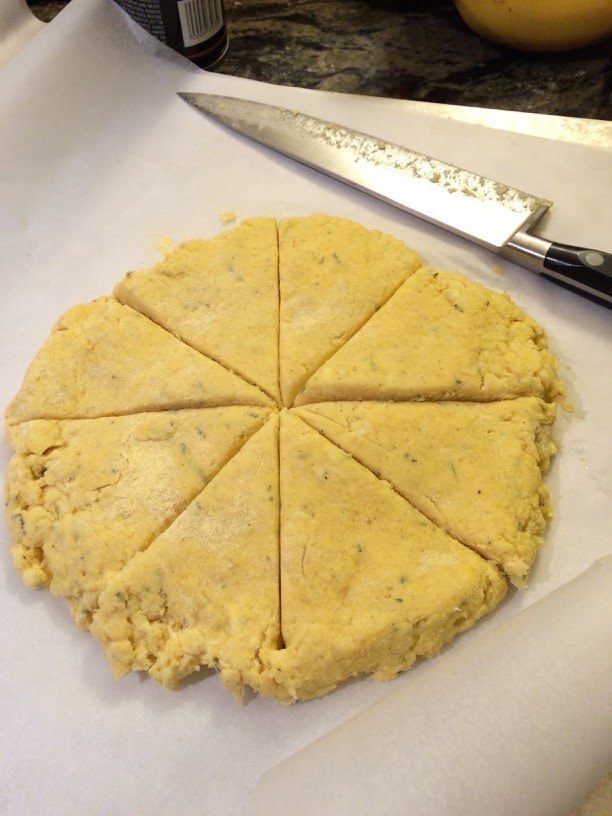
(419, 50)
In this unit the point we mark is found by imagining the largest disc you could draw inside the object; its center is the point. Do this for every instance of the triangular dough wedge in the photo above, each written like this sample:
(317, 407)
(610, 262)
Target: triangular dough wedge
(334, 274)
(219, 296)
(368, 584)
(475, 469)
(440, 337)
(84, 495)
(206, 592)
(105, 359)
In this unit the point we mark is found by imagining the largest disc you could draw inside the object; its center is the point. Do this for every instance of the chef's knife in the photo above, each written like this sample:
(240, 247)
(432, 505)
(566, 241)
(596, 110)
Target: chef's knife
(487, 212)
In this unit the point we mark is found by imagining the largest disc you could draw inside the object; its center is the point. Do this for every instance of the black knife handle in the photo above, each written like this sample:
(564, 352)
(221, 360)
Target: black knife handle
(589, 270)
(584, 271)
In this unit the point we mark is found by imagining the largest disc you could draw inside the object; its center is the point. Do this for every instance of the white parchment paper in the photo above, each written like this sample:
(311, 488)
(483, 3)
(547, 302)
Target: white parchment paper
(17, 27)
(501, 727)
(99, 162)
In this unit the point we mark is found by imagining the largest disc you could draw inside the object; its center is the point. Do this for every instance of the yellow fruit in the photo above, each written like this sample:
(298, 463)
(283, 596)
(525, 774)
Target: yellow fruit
(539, 25)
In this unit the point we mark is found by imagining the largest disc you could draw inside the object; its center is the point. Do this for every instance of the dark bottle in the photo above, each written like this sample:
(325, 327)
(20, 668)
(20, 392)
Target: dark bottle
(194, 28)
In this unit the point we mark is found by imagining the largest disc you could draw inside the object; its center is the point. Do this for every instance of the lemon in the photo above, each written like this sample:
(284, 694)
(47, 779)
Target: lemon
(539, 25)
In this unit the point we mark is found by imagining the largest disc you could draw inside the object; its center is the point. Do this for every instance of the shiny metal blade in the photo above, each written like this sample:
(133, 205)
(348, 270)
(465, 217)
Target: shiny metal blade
(480, 209)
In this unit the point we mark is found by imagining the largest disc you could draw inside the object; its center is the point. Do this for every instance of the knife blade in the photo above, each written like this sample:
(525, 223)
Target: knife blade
(488, 212)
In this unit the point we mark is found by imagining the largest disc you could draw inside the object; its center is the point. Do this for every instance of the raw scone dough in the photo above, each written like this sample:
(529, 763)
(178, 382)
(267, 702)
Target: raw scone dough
(472, 468)
(334, 274)
(105, 359)
(205, 593)
(219, 296)
(368, 584)
(83, 496)
(440, 337)
(309, 458)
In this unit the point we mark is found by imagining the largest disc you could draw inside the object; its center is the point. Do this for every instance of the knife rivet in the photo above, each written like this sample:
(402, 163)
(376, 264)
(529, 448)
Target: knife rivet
(594, 258)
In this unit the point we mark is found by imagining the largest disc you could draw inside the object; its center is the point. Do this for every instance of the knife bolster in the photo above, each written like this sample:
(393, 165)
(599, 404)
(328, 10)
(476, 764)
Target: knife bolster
(527, 250)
